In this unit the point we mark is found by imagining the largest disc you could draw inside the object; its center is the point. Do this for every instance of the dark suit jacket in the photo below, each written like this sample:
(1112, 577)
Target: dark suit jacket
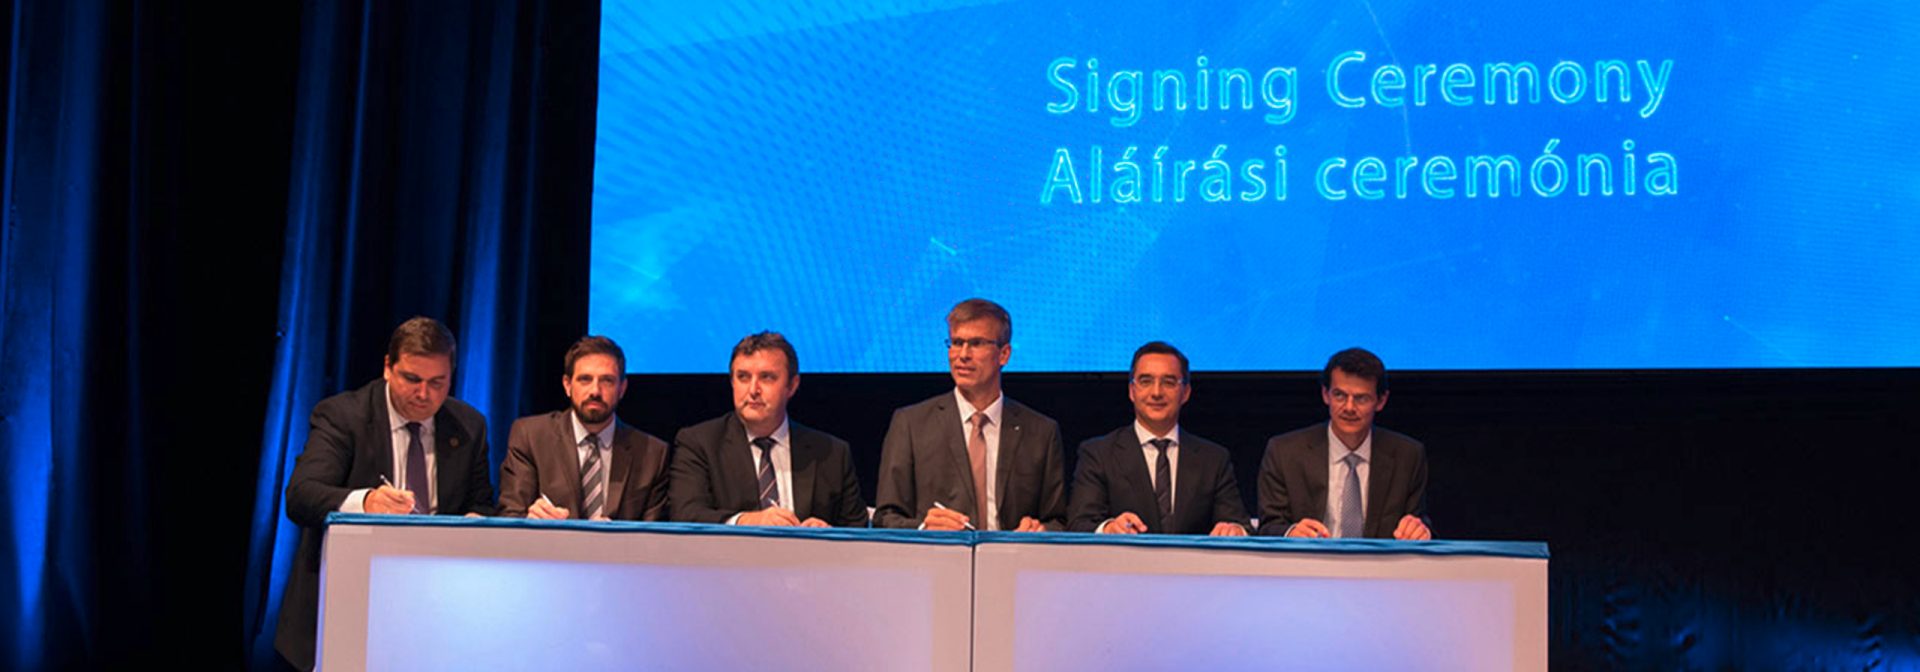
(542, 460)
(1293, 481)
(1112, 478)
(350, 446)
(715, 475)
(924, 460)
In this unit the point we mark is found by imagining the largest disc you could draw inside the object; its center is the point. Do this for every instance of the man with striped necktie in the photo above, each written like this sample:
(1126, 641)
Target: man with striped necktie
(583, 462)
(755, 465)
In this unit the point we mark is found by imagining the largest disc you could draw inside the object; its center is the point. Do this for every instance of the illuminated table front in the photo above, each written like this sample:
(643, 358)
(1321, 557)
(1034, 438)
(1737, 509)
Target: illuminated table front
(441, 593)
(1080, 602)
(403, 592)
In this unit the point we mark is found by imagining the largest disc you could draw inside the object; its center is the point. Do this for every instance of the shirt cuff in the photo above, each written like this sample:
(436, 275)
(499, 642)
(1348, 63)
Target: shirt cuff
(356, 501)
(735, 520)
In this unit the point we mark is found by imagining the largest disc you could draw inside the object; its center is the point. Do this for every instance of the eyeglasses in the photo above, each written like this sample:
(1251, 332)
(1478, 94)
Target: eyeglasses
(1148, 382)
(972, 343)
(1341, 397)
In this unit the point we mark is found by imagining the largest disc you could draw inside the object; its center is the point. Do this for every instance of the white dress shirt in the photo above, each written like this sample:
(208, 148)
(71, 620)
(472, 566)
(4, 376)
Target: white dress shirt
(782, 456)
(398, 440)
(994, 413)
(1152, 456)
(580, 447)
(1337, 476)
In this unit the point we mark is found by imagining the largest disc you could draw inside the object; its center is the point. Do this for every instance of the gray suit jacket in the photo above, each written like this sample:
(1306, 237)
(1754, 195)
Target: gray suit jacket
(1293, 481)
(924, 460)
(715, 475)
(1111, 477)
(542, 460)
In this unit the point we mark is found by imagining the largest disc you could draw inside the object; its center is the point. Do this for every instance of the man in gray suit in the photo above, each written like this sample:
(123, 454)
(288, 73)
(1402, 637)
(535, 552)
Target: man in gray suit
(755, 465)
(1374, 484)
(972, 458)
(583, 462)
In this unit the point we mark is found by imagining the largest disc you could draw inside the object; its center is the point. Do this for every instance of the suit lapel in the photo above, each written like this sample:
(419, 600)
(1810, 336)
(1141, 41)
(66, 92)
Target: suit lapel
(570, 495)
(1379, 481)
(624, 438)
(739, 466)
(383, 435)
(950, 435)
(802, 454)
(1135, 480)
(1316, 505)
(1188, 501)
(1011, 415)
(450, 443)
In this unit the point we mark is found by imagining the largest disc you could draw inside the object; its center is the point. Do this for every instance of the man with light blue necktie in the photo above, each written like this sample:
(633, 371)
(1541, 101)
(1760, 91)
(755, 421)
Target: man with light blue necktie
(1346, 478)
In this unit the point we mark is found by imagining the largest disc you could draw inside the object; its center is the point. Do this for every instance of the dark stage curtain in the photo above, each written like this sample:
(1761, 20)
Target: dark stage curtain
(215, 216)
(419, 186)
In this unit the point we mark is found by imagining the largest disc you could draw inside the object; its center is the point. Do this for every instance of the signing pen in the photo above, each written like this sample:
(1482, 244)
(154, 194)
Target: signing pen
(943, 507)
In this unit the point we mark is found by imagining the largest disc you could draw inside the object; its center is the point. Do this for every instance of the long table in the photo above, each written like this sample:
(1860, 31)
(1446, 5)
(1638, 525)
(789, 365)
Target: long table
(405, 592)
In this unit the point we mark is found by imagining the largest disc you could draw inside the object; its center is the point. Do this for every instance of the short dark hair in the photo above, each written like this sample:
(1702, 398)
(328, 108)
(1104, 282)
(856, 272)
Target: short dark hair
(421, 337)
(1158, 348)
(596, 345)
(766, 340)
(1359, 363)
(977, 308)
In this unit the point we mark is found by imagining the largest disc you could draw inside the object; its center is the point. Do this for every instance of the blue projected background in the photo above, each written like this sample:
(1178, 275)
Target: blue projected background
(1505, 185)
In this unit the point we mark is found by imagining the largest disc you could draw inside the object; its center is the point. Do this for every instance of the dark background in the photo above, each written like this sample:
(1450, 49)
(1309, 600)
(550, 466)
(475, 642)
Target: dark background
(215, 216)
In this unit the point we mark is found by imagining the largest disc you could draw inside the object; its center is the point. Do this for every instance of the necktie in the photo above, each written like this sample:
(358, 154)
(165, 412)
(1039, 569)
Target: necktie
(977, 459)
(417, 479)
(1163, 480)
(769, 488)
(591, 481)
(1352, 519)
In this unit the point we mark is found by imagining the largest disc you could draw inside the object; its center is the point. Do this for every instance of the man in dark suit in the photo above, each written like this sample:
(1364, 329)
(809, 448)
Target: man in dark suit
(1346, 477)
(942, 454)
(583, 462)
(755, 465)
(398, 445)
(1151, 476)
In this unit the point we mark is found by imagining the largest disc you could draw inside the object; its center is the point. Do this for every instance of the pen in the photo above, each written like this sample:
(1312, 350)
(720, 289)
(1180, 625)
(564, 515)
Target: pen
(943, 507)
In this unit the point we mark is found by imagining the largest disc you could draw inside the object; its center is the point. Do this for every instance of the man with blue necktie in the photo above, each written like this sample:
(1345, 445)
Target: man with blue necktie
(1346, 478)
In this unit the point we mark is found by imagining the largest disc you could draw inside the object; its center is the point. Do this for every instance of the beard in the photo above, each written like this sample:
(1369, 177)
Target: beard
(593, 416)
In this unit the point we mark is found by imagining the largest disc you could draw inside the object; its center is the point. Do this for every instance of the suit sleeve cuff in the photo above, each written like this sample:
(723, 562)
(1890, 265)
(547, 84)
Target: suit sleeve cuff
(356, 501)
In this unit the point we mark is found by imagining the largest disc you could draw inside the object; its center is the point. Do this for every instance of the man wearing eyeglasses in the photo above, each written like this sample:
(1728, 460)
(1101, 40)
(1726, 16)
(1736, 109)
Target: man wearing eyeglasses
(1152, 476)
(972, 458)
(1346, 477)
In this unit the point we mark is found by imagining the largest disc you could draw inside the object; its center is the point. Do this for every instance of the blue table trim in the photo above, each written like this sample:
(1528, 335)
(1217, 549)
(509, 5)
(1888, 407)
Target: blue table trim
(1511, 549)
(689, 529)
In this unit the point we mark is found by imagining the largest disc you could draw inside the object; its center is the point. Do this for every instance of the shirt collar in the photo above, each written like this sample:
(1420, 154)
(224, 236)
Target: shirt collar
(1146, 435)
(580, 431)
(780, 434)
(395, 421)
(992, 410)
(1337, 451)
